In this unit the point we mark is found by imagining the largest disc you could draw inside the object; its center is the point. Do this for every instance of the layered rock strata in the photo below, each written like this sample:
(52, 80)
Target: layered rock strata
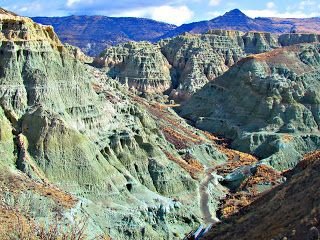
(139, 66)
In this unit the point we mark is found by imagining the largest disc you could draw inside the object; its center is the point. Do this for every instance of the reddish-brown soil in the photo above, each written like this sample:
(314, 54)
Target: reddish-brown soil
(289, 211)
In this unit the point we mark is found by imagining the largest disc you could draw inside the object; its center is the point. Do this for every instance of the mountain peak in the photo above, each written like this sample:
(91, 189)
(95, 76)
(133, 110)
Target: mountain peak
(235, 13)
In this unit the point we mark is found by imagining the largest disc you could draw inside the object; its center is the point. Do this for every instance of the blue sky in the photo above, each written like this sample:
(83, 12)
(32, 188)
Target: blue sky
(172, 11)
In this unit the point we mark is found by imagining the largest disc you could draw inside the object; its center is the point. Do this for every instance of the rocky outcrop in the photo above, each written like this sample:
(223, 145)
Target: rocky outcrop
(267, 103)
(78, 54)
(291, 39)
(198, 59)
(139, 66)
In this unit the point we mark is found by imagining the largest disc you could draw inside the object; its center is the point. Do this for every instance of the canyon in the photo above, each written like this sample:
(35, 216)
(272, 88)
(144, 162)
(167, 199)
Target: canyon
(152, 140)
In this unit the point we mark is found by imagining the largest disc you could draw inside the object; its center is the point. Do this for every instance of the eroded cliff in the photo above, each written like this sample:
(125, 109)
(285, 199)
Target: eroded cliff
(182, 65)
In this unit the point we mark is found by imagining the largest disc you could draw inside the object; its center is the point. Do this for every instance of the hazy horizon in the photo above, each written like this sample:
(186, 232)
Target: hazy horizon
(171, 11)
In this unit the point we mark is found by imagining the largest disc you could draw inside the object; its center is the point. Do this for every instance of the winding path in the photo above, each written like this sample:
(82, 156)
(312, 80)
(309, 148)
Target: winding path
(208, 217)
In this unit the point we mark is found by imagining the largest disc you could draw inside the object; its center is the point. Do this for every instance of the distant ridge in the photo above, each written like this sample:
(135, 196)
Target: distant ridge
(94, 33)
(237, 20)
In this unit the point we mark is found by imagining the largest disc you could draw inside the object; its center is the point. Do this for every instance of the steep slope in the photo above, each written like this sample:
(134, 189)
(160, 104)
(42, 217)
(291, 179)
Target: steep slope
(290, 211)
(77, 145)
(268, 104)
(236, 20)
(94, 33)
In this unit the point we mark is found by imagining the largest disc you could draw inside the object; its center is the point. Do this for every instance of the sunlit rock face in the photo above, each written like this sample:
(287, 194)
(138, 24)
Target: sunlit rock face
(140, 66)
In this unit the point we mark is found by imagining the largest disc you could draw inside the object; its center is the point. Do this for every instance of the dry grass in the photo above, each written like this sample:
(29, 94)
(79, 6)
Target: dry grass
(178, 139)
(235, 202)
(31, 231)
(289, 211)
(15, 225)
(248, 192)
(264, 174)
(194, 168)
(19, 183)
(308, 159)
(287, 138)
(19, 225)
(11, 221)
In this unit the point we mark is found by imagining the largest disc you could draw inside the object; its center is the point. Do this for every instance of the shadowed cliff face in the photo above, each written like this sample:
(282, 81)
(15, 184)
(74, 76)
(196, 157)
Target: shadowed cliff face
(263, 99)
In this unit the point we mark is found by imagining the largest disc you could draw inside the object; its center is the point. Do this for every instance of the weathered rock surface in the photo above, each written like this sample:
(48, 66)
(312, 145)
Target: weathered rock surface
(76, 143)
(133, 168)
(182, 65)
(198, 59)
(140, 66)
(267, 103)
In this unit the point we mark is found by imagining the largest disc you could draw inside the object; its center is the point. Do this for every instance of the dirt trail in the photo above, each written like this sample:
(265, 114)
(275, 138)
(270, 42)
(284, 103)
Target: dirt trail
(208, 217)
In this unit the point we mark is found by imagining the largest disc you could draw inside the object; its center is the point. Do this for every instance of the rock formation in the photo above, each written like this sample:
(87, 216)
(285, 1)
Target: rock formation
(267, 103)
(140, 66)
(75, 144)
(198, 59)
(184, 64)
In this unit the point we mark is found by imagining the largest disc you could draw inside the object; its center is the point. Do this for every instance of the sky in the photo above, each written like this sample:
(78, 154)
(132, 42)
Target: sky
(172, 11)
